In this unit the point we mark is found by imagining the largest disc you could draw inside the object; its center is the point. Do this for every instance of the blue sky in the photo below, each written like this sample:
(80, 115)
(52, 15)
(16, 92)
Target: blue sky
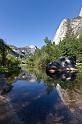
(26, 22)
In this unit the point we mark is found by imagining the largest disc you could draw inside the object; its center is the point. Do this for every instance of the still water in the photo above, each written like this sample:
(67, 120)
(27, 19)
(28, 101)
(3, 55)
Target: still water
(37, 98)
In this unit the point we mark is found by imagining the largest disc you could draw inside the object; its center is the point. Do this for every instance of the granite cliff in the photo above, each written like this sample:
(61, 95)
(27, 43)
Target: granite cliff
(74, 25)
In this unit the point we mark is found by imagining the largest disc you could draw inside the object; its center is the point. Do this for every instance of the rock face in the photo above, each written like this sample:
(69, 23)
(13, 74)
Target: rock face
(80, 14)
(74, 25)
(23, 51)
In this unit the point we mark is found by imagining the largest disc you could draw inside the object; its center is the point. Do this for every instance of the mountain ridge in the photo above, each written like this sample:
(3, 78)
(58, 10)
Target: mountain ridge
(23, 51)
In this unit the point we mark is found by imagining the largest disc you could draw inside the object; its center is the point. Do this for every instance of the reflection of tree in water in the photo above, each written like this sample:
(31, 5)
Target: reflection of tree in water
(49, 108)
(73, 93)
(66, 80)
(7, 89)
(4, 86)
(69, 82)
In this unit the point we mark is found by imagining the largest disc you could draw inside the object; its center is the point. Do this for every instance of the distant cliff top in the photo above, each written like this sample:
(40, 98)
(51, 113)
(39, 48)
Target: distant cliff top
(74, 24)
(80, 14)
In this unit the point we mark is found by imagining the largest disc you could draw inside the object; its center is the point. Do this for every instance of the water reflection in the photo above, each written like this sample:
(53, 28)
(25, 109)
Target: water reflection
(69, 94)
(33, 104)
(37, 98)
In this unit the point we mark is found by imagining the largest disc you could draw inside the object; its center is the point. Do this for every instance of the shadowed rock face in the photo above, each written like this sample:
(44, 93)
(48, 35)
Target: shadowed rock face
(61, 65)
(67, 62)
(74, 25)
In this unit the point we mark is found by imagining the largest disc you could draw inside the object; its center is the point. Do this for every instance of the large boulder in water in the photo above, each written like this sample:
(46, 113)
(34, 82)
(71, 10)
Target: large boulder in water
(62, 64)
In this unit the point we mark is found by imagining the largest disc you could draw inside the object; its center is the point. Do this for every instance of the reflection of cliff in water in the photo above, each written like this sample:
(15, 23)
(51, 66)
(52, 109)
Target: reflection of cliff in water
(73, 100)
(53, 99)
(69, 89)
(27, 76)
(66, 85)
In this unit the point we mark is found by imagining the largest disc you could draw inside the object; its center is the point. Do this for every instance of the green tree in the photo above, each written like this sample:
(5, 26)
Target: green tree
(47, 41)
(49, 52)
(3, 51)
(69, 47)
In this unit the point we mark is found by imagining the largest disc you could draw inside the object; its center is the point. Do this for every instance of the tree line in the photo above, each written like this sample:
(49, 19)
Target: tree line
(8, 62)
(69, 46)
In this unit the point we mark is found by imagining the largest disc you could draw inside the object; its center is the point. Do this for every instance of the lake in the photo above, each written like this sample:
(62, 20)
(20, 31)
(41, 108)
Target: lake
(38, 98)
